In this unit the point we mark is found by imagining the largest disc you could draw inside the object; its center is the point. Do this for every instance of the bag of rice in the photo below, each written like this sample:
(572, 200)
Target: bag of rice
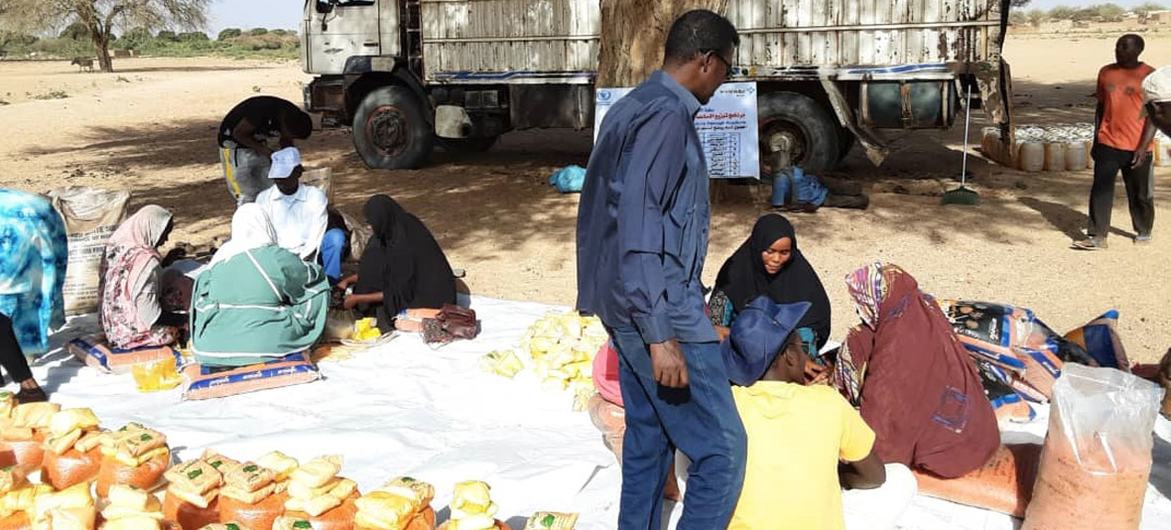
(1097, 455)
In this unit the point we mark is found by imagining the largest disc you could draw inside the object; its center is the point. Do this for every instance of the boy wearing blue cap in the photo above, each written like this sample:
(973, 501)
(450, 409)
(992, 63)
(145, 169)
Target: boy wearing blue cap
(800, 438)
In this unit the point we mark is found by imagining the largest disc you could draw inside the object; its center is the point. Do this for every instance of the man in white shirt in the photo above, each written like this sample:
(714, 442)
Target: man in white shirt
(1157, 96)
(298, 213)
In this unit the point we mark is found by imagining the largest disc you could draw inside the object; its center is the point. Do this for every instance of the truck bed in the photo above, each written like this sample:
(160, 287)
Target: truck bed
(556, 41)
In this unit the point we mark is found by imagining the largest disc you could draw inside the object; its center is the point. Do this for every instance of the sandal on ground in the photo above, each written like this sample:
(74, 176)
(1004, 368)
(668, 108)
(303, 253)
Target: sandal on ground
(1090, 244)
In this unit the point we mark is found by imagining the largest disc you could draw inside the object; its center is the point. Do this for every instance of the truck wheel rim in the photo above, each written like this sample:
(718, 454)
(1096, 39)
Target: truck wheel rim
(387, 130)
(777, 135)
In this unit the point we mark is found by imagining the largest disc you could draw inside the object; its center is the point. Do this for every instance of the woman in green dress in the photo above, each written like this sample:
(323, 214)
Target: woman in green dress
(256, 302)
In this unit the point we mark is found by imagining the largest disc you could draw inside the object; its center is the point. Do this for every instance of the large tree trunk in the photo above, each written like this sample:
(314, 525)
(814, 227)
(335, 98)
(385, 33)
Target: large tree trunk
(102, 47)
(633, 34)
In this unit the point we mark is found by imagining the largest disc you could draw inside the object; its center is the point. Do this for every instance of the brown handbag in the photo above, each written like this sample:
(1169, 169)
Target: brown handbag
(460, 322)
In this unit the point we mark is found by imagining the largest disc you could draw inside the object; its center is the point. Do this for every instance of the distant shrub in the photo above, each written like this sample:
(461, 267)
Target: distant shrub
(168, 36)
(229, 33)
(193, 36)
(256, 32)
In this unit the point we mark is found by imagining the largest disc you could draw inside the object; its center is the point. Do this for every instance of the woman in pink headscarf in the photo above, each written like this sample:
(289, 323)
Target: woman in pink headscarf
(131, 309)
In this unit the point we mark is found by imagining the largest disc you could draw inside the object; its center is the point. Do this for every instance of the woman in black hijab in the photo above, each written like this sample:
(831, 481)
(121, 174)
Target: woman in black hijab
(402, 266)
(768, 263)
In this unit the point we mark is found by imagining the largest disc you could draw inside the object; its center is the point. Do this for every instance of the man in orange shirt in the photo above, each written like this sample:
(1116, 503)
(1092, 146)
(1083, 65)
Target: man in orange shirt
(1118, 146)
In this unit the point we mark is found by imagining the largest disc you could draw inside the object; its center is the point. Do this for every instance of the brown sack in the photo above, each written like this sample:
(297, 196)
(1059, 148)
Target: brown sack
(1004, 484)
(90, 216)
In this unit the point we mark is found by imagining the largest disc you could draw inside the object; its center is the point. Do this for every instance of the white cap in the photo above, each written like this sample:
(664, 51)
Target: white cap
(1157, 86)
(283, 163)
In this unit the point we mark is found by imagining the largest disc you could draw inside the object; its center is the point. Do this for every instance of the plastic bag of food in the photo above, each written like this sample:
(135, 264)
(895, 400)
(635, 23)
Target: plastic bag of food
(1014, 339)
(1097, 455)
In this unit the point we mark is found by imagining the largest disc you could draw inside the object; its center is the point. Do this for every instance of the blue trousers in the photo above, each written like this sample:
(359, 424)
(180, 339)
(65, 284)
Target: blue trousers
(700, 420)
(333, 246)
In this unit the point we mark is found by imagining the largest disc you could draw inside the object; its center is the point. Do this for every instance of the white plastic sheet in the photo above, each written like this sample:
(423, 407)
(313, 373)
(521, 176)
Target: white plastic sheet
(406, 409)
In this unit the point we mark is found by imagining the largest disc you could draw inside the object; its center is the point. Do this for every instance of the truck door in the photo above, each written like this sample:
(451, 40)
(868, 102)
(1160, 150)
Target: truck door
(338, 30)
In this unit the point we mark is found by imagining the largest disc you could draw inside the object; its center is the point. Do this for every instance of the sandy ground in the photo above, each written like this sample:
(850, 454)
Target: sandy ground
(150, 128)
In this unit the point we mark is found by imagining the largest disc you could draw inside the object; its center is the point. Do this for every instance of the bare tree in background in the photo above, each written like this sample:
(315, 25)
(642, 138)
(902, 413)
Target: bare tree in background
(633, 35)
(102, 16)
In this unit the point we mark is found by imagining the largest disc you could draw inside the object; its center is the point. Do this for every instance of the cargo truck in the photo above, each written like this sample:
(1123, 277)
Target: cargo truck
(408, 75)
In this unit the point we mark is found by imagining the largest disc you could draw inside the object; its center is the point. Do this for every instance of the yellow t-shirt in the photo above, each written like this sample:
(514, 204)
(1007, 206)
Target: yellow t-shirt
(796, 436)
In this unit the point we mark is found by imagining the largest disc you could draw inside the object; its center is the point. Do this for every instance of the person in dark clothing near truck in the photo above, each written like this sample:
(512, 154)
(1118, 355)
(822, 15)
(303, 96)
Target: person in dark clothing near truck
(1118, 146)
(249, 134)
(642, 236)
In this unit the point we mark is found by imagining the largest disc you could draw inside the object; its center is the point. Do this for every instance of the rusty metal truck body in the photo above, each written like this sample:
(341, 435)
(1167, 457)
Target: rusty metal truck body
(410, 74)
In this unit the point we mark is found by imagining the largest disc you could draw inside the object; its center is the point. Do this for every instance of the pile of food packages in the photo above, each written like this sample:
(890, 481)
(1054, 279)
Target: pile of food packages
(61, 470)
(559, 348)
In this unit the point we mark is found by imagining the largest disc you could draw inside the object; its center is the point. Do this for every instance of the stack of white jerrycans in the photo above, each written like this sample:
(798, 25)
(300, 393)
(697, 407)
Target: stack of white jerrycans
(1063, 147)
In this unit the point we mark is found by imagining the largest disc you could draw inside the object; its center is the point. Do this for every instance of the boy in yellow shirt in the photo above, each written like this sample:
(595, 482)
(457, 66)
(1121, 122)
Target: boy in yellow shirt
(799, 437)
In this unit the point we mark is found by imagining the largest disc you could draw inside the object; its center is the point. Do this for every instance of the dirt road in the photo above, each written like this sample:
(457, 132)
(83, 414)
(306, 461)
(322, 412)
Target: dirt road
(150, 128)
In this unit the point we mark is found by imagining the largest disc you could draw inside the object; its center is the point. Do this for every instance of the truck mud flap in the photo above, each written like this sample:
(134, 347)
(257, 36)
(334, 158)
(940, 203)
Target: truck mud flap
(875, 146)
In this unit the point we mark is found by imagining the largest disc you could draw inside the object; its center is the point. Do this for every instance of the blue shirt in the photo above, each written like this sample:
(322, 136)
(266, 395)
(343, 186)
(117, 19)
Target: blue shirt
(642, 226)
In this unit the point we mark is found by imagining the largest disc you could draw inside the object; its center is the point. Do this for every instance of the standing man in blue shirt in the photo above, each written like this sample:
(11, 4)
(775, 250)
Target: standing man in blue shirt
(642, 236)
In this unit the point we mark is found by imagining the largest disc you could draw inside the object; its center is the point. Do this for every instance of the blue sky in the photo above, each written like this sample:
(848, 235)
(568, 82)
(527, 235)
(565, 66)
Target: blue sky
(272, 14)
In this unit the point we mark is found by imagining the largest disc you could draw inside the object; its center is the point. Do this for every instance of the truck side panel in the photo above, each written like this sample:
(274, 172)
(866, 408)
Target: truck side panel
(510, 41)
(791, 33)
(556, 41)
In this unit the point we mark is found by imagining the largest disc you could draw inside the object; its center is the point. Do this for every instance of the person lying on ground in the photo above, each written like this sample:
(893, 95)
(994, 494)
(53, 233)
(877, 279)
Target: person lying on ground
(16, 364)
(401, 268)
(769, 263)
(132, 313)
(1157, 98)
(34, 253)
(1118, 147)
(798, 191)
(804, 442)
(299, 214)
(256, 301)
(916, 386)
(249, 134)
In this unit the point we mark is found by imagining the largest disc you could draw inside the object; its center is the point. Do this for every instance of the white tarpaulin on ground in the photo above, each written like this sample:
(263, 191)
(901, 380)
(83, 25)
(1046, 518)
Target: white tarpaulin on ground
(404, 409)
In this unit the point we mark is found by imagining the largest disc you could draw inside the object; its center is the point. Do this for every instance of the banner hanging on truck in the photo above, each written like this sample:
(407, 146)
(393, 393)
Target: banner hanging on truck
(727, 128)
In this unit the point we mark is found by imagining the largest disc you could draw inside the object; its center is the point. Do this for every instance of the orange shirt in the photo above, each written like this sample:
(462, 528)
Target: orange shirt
(1120, 92)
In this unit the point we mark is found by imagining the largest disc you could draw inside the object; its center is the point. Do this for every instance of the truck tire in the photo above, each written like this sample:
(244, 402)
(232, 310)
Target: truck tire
(803, 125)
(391, 130)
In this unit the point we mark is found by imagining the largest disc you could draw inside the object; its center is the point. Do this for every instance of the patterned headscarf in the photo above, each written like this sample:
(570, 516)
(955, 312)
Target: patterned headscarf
(868, 287)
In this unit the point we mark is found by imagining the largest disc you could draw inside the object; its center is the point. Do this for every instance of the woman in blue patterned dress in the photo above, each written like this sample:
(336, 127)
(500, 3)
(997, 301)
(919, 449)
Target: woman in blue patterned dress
(33, 256)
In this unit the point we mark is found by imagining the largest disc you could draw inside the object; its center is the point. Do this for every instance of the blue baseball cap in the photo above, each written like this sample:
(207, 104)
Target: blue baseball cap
(757, 336)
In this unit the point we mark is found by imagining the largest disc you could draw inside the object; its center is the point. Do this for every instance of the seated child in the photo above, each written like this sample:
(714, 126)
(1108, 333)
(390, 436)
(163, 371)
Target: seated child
(804, 442)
